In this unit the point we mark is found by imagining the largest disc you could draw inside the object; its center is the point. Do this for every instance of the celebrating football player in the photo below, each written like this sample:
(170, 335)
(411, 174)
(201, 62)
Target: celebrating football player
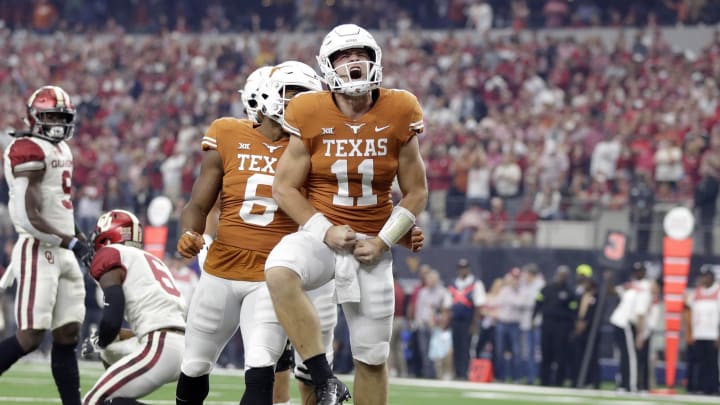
(335, 180)
(239, 164)
(51, 292)
(137, 287)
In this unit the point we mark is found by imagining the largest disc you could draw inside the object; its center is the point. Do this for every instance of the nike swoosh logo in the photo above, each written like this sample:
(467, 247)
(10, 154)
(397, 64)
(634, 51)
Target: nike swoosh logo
(378, 129)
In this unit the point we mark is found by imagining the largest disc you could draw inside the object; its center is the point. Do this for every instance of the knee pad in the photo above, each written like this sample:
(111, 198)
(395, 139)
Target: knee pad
(372, 354)
(195, 368)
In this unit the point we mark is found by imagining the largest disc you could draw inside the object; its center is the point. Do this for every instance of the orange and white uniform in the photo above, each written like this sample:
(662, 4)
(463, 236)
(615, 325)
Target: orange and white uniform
(232, 285)
(353, 165)
(250, 221)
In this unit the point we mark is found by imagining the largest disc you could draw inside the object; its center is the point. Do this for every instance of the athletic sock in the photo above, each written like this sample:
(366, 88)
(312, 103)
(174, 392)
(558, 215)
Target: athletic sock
(64, 367)
(192, 390)
(258, 386)
(319, 369)
(10, 352)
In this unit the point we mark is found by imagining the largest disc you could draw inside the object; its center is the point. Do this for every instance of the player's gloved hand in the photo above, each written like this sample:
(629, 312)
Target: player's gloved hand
(89, 349)
(190, 244)
(82, 250)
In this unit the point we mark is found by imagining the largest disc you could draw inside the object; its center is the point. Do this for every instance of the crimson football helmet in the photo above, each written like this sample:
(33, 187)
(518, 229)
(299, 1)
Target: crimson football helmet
(51, 114)
(343, 37)
(118, 226)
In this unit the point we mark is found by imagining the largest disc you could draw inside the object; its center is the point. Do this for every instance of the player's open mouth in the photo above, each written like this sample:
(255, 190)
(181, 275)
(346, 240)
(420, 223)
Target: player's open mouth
(355, 73)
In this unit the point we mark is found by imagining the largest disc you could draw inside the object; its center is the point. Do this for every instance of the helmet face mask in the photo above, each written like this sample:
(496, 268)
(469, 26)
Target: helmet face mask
(50, 114)
(340, 78)
(250, 93)
(117, 226)
(285, 81)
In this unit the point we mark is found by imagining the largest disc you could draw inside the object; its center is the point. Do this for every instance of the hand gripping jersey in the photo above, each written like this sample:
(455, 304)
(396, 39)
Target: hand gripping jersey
(152, 300)
(354, 162)
(250, 220)
(32, 154)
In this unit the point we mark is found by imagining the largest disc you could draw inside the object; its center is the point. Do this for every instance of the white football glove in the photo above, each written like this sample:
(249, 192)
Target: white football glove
(90, 349)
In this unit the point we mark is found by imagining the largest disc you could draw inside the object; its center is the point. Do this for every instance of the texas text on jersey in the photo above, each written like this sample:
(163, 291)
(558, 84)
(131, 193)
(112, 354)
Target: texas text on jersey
(354, 161)
(250, 218)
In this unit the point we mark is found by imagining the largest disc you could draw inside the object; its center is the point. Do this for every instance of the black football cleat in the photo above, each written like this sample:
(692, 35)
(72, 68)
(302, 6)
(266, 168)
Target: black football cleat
(332, 393)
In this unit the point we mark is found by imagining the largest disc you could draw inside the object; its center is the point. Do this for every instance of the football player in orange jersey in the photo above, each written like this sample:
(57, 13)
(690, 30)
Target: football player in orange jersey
(239, 165)
(335, 179)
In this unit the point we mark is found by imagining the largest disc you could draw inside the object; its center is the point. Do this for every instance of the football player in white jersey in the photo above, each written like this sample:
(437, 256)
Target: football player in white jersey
(139, 288)
(50, 296)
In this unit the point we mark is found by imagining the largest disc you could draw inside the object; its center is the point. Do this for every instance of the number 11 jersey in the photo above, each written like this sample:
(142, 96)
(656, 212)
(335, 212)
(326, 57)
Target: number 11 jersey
(354, 162)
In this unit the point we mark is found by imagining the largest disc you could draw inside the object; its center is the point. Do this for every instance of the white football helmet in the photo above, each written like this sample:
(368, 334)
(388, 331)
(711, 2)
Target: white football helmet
(251, 91)
(273, 92)
(350, 36)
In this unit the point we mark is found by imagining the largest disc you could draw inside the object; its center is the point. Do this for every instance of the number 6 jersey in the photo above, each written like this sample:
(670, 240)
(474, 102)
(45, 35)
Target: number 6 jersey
(152, 300)
(251, 223)
(354, 162)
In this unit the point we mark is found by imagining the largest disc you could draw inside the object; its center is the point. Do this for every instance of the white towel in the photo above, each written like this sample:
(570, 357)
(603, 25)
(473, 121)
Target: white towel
(347, 286)
(7, 279)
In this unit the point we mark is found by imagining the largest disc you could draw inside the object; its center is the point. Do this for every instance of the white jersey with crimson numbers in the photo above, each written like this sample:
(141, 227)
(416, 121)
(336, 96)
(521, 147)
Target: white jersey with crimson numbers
(152, 299)
(28, 154)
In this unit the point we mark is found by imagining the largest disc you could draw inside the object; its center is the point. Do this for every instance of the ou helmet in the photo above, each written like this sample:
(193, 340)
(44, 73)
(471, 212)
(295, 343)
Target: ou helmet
(350, 36)
(250, 93)
(50, 114)
(291, 75)
(118, 226)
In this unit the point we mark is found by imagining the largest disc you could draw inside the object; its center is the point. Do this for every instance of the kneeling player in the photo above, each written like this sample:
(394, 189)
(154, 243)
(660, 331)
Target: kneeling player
(138, 287)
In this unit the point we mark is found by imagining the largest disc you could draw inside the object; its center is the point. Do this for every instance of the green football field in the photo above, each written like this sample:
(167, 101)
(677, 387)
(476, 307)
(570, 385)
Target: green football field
(30, 383)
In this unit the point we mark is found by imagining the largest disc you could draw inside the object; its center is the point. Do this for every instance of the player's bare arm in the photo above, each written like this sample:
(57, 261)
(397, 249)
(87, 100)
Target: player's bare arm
(413, 185)
(33, 202)
(213, 218)
(292, 170)
(411, 178)
(203, 198)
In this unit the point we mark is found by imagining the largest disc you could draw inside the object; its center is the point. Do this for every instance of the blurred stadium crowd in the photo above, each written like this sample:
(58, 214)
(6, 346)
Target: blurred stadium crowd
(519, 128)
(554, 127)
(156, 16)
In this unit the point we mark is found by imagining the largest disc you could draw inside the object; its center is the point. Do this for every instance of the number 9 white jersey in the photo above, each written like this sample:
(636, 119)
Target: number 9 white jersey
(31, 154)
(152, 299)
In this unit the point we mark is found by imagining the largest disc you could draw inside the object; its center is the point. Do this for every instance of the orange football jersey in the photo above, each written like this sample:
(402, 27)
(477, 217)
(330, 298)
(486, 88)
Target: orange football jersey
(354, 162)
(251, 223)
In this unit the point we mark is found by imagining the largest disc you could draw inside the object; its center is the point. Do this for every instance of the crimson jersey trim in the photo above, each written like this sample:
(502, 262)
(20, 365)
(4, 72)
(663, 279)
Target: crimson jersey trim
(106, 259)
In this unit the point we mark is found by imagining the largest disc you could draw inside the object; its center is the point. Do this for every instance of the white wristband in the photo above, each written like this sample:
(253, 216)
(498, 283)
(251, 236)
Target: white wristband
(400, 222)
(317, 225)
(72, 243)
